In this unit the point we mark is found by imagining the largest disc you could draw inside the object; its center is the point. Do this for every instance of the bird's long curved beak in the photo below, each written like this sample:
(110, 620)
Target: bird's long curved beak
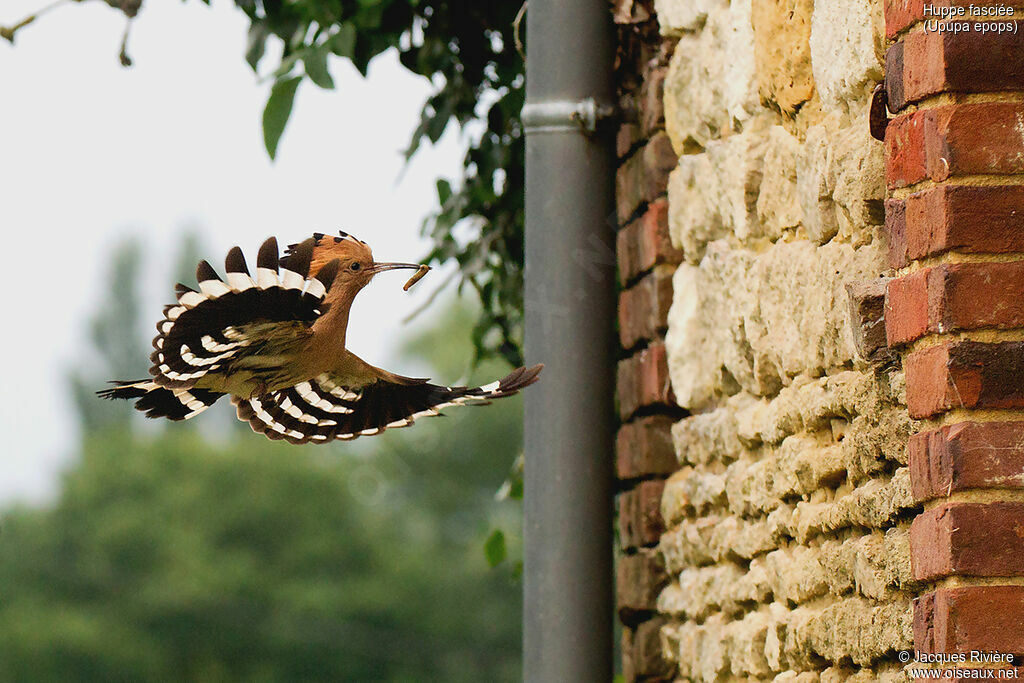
(381, 267)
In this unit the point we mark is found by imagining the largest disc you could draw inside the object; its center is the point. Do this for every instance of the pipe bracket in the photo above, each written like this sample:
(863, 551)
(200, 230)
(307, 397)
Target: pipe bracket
(559, 116)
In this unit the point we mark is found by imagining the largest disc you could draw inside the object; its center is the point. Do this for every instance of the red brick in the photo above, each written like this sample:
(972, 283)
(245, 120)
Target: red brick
(645, 243)
(951, 297)
(955, 140)
(896, 232)
(906, 308)
(901, 14)
(643, 308)
(904, 150)
(968, 539)
(659, 155)
(967, 455)
(642, 658)
(929, 62)
(643, 177)
(630, 12)
(964, 218)
(626, 139)
(644, 448)
(964, 375)
(652, 106)
(971, 618)
(628, 669)
(643, 381)
(867, 311)
(640, 522)
(640, 578)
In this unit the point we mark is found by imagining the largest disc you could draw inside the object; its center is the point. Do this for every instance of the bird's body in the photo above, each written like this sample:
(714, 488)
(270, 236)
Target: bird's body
(276, 344)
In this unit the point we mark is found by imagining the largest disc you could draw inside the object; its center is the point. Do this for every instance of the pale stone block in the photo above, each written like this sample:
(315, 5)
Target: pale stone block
(747, 655)
(712, 437)
(778, 205)
(676, 17)
(690, 490)
(840, 178)
(875, 504)
(875, 436)
(858, 167)
(775, 637)
(694, 218)
(746, 321)
(847, 48)
(796, 575)
(715, 193)
(814, 183)
(799, 324)
(711, 88)
(705, 356)
(782, 31)
(712, 659)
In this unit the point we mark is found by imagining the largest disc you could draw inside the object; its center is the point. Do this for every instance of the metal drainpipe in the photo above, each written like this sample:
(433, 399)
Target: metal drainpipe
(570, 308)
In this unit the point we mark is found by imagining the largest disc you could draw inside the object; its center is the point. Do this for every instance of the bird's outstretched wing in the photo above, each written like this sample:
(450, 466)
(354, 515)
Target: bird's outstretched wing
(243, 321)
(323, 409)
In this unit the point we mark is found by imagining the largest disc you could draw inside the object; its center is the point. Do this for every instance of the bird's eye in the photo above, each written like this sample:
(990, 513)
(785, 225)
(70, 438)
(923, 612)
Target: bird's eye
(355, 266)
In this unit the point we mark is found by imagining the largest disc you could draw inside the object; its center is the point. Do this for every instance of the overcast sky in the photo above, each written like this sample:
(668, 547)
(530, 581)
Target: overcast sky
(91, 152)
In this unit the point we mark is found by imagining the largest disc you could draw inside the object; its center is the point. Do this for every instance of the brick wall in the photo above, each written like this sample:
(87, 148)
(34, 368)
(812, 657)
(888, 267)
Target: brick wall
(821, 457)
(646, 262)
(767, 514)
(955, 310)
(789, 520)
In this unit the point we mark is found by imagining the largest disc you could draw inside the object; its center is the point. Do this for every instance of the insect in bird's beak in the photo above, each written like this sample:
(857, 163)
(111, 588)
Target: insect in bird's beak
(421, 270)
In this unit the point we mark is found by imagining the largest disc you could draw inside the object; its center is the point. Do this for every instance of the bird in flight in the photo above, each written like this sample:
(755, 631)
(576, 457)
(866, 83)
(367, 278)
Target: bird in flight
(275, 343)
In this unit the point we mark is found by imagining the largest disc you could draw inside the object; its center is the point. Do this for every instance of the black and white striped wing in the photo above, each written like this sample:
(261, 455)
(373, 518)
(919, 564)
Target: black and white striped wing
(232, 320)
(322, 409)
(157, 401)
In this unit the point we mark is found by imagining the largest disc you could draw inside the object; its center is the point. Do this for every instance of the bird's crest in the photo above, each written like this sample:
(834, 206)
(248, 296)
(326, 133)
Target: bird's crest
(326, 248)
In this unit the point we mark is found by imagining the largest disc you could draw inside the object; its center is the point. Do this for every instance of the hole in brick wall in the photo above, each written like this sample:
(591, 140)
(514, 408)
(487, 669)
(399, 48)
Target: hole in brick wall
(834, 480)
(839, 427)
(876, 211)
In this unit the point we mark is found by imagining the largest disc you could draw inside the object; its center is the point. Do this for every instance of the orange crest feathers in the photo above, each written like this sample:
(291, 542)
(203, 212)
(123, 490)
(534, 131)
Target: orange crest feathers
(327, 248)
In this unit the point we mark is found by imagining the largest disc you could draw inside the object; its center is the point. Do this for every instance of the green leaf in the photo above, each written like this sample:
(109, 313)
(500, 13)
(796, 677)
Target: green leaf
(277, 111)
(343, 43)
(494, 548)
(515, 491)
(315, 60)
(444, 191)
(257, 44)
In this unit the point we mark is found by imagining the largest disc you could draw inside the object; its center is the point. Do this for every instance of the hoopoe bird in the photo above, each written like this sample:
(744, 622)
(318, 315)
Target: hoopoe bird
(275, 343)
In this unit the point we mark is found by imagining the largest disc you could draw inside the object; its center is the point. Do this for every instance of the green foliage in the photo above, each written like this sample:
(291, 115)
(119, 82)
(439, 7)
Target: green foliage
(467, 49)
(494, 548)
(277, 111)
(170, 559)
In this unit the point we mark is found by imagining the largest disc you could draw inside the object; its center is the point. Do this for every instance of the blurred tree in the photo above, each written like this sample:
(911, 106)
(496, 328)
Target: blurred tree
(172, 560)
(115, 332)
(120, 341)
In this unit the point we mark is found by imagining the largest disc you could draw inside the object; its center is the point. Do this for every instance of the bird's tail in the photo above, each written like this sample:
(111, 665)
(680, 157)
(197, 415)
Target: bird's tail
(158, 401)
